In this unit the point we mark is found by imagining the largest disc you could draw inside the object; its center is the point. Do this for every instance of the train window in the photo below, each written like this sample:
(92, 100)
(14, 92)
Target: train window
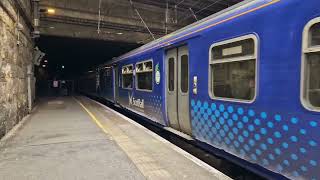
(127, 77)
(233, 69)
(108, 71)
(232, 50)
(315, 35)
(184, 73)
(139, 67)
(108, 74)
(171, 74)
(144, 76)
(311, 66)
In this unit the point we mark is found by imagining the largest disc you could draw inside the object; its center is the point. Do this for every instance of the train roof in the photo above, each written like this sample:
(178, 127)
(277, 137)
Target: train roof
(192, 30)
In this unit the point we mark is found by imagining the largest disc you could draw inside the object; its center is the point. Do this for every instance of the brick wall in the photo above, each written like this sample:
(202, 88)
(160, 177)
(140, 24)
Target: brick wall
(14, 60)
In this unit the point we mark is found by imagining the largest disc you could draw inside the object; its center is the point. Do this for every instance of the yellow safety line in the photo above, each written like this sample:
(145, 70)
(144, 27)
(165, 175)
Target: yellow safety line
(93, 117)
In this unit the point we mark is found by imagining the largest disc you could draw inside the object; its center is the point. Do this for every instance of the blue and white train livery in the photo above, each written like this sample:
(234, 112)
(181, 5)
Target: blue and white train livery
(245, 80)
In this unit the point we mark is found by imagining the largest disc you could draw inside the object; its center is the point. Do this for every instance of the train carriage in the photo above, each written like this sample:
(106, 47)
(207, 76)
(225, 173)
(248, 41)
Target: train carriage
(245, 80)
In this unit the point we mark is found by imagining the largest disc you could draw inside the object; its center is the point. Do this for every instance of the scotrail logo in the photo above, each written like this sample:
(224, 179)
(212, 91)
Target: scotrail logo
(136, 102)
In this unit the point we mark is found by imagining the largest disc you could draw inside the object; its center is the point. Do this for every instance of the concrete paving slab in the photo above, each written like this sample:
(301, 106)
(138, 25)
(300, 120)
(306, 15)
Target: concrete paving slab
(77, 138)
(155, 158)
(61, 142)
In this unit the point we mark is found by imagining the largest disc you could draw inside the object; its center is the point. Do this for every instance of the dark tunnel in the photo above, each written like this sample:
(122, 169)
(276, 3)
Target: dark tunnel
(67, 58)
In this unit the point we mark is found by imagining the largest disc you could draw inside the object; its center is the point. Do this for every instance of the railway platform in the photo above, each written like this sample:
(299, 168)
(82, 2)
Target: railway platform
(78, 138)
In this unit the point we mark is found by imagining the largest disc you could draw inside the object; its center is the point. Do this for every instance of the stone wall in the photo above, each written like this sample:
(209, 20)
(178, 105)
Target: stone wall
(16, 54)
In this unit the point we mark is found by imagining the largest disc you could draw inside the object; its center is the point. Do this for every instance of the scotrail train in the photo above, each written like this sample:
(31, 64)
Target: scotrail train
(245, 81)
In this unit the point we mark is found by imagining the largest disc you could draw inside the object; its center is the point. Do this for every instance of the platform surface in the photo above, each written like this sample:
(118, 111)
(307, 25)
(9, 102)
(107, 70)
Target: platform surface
(77, 138)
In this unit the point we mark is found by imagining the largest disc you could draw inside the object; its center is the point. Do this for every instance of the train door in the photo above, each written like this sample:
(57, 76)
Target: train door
(116, 83)
(102, 82)
(177, 71)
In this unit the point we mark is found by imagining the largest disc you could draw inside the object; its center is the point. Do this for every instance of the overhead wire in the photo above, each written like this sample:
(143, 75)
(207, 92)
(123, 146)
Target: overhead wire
(142, 20)
(180, 2)
(99, 20)
(189, 9)
(195, 13)
(216, 2)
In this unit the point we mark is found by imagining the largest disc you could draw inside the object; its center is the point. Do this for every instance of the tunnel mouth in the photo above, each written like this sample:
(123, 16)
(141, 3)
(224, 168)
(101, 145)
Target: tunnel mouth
(68, 58)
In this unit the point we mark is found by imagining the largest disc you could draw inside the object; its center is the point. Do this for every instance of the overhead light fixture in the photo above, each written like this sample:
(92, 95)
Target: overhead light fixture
(51, 27)
(119, 33)
(44, 66)
(62, 67)
(45, 61)
(51, 11)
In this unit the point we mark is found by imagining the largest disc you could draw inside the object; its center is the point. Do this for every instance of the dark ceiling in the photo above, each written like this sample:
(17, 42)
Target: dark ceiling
(201, 8)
